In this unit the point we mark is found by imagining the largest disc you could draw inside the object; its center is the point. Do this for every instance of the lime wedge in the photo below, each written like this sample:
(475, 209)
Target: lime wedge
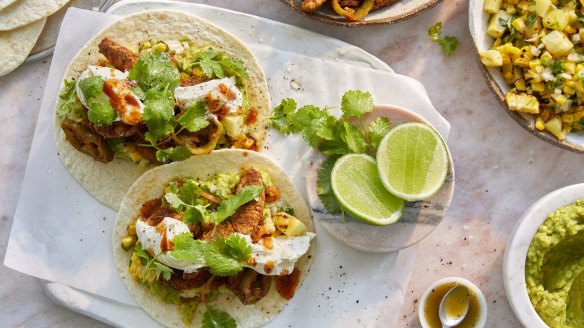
(356, 184)
(413, 161)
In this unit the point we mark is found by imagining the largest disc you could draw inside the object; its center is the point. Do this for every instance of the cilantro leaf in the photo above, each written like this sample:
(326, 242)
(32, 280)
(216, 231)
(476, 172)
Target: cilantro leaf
(324, 188)
(153, 69)
(193, 213)
(195, 117)
(163, 269)
(355, 103)
(152, 264)
(221, 257)
(188, 249)
(448, 43)
(222, 265)
(70, 99)
(228, 206)
(173, 154)
(378, 128)
(236, 66)
(216, 64)
(217, 319)
(532, 18)
(100, 110)
(354, 138)
(159, 113)
(334, 147)
(237, 247)
(557, 67)
(281, 120)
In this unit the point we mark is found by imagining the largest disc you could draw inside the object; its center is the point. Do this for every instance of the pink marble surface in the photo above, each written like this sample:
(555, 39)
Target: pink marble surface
(500, 168)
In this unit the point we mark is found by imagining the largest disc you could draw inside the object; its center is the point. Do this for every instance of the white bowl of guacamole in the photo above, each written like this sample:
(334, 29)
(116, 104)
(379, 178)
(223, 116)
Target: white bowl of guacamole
(543, 267)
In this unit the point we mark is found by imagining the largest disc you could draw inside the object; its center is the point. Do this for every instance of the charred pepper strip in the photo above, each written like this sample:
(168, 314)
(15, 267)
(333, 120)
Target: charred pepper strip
(359, 12)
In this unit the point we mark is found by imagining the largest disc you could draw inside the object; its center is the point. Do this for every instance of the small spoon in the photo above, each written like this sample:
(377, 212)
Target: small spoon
(454, 306)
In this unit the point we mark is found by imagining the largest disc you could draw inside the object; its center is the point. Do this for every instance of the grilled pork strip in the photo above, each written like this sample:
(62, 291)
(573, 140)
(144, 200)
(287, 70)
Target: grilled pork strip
(119, 56)
(249, 218)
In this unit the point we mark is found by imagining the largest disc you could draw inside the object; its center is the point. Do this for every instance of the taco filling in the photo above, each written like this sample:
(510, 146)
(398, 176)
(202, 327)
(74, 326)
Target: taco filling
(165, 102)
(231, 232)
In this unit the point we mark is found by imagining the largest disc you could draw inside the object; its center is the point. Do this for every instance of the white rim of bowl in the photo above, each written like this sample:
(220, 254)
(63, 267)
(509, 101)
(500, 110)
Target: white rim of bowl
(516, 251)
(481, 298)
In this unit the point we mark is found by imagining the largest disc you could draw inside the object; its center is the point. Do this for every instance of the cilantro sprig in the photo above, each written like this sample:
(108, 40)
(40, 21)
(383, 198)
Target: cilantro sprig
(186, 200)
(216, 64)
(152, 264)
(70, 99)
(448, 43)
(223, 257)
(331, 135)
(321, 130)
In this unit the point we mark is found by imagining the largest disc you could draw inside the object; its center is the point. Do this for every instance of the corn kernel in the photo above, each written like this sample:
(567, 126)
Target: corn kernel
(539, 123)
(570, 29)
(146, 45)
(570, 67)
(506, 59)
(519, 24)
(538, 86)
(520, 85)
(568, 90)
(160, 47)
(545, 115)
(521, 62)
(534, 63)
(571, 84)
(567, 118)
(560, 99)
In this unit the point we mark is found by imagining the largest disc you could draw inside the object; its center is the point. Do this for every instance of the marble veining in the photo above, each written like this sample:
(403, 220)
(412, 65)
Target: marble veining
(500, 168)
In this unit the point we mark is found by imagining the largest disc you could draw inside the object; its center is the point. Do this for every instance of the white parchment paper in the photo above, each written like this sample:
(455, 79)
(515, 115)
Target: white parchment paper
(61, 234)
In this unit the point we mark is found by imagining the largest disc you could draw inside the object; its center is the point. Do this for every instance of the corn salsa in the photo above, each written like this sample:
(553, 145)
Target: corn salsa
(539, 46)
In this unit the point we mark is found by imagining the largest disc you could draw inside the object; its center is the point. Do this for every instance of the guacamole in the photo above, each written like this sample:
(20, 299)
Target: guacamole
(554, 268)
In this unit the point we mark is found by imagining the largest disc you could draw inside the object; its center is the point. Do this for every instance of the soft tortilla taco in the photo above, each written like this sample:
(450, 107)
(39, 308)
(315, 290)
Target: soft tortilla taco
(223, 237)
(152, 88)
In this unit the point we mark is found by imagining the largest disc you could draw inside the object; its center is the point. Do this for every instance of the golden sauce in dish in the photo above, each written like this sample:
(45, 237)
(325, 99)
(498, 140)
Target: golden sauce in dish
(453, 309)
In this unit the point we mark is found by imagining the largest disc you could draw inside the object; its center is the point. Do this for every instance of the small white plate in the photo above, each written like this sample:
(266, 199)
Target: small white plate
(516, 251)
(418, 219)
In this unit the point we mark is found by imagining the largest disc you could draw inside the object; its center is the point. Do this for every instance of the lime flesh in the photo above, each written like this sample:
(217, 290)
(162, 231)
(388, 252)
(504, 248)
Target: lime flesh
(413, 161)
(356, 184)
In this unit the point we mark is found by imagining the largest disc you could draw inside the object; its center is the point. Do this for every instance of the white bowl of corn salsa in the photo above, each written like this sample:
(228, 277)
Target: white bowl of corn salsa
(532, 52)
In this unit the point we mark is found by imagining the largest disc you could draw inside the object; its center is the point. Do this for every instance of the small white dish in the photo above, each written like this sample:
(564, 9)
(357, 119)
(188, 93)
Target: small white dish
(454, 281)
(516, 251)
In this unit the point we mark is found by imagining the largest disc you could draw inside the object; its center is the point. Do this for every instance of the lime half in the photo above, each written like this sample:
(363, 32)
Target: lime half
(356, 184)
(413, 161)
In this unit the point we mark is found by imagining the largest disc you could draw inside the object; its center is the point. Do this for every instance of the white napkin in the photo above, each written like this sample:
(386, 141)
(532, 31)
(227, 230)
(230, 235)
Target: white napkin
(61, 234)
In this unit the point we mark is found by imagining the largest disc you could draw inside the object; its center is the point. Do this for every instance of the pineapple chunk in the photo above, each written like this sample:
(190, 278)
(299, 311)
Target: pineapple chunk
(492, 6)
(491, 58)
(288, 224)
(542, 7)
(554, 126)
(556, 19)
(495, 29)
(522, 102)
(557, 43)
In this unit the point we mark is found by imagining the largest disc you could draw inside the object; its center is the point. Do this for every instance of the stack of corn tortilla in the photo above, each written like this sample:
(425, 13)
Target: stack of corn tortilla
(21, 23)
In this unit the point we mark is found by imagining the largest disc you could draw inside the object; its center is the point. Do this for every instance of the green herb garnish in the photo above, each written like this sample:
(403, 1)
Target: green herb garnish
(223, 257)
(152, 264)
(448, 43)
(100, 110)
(217, 319)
